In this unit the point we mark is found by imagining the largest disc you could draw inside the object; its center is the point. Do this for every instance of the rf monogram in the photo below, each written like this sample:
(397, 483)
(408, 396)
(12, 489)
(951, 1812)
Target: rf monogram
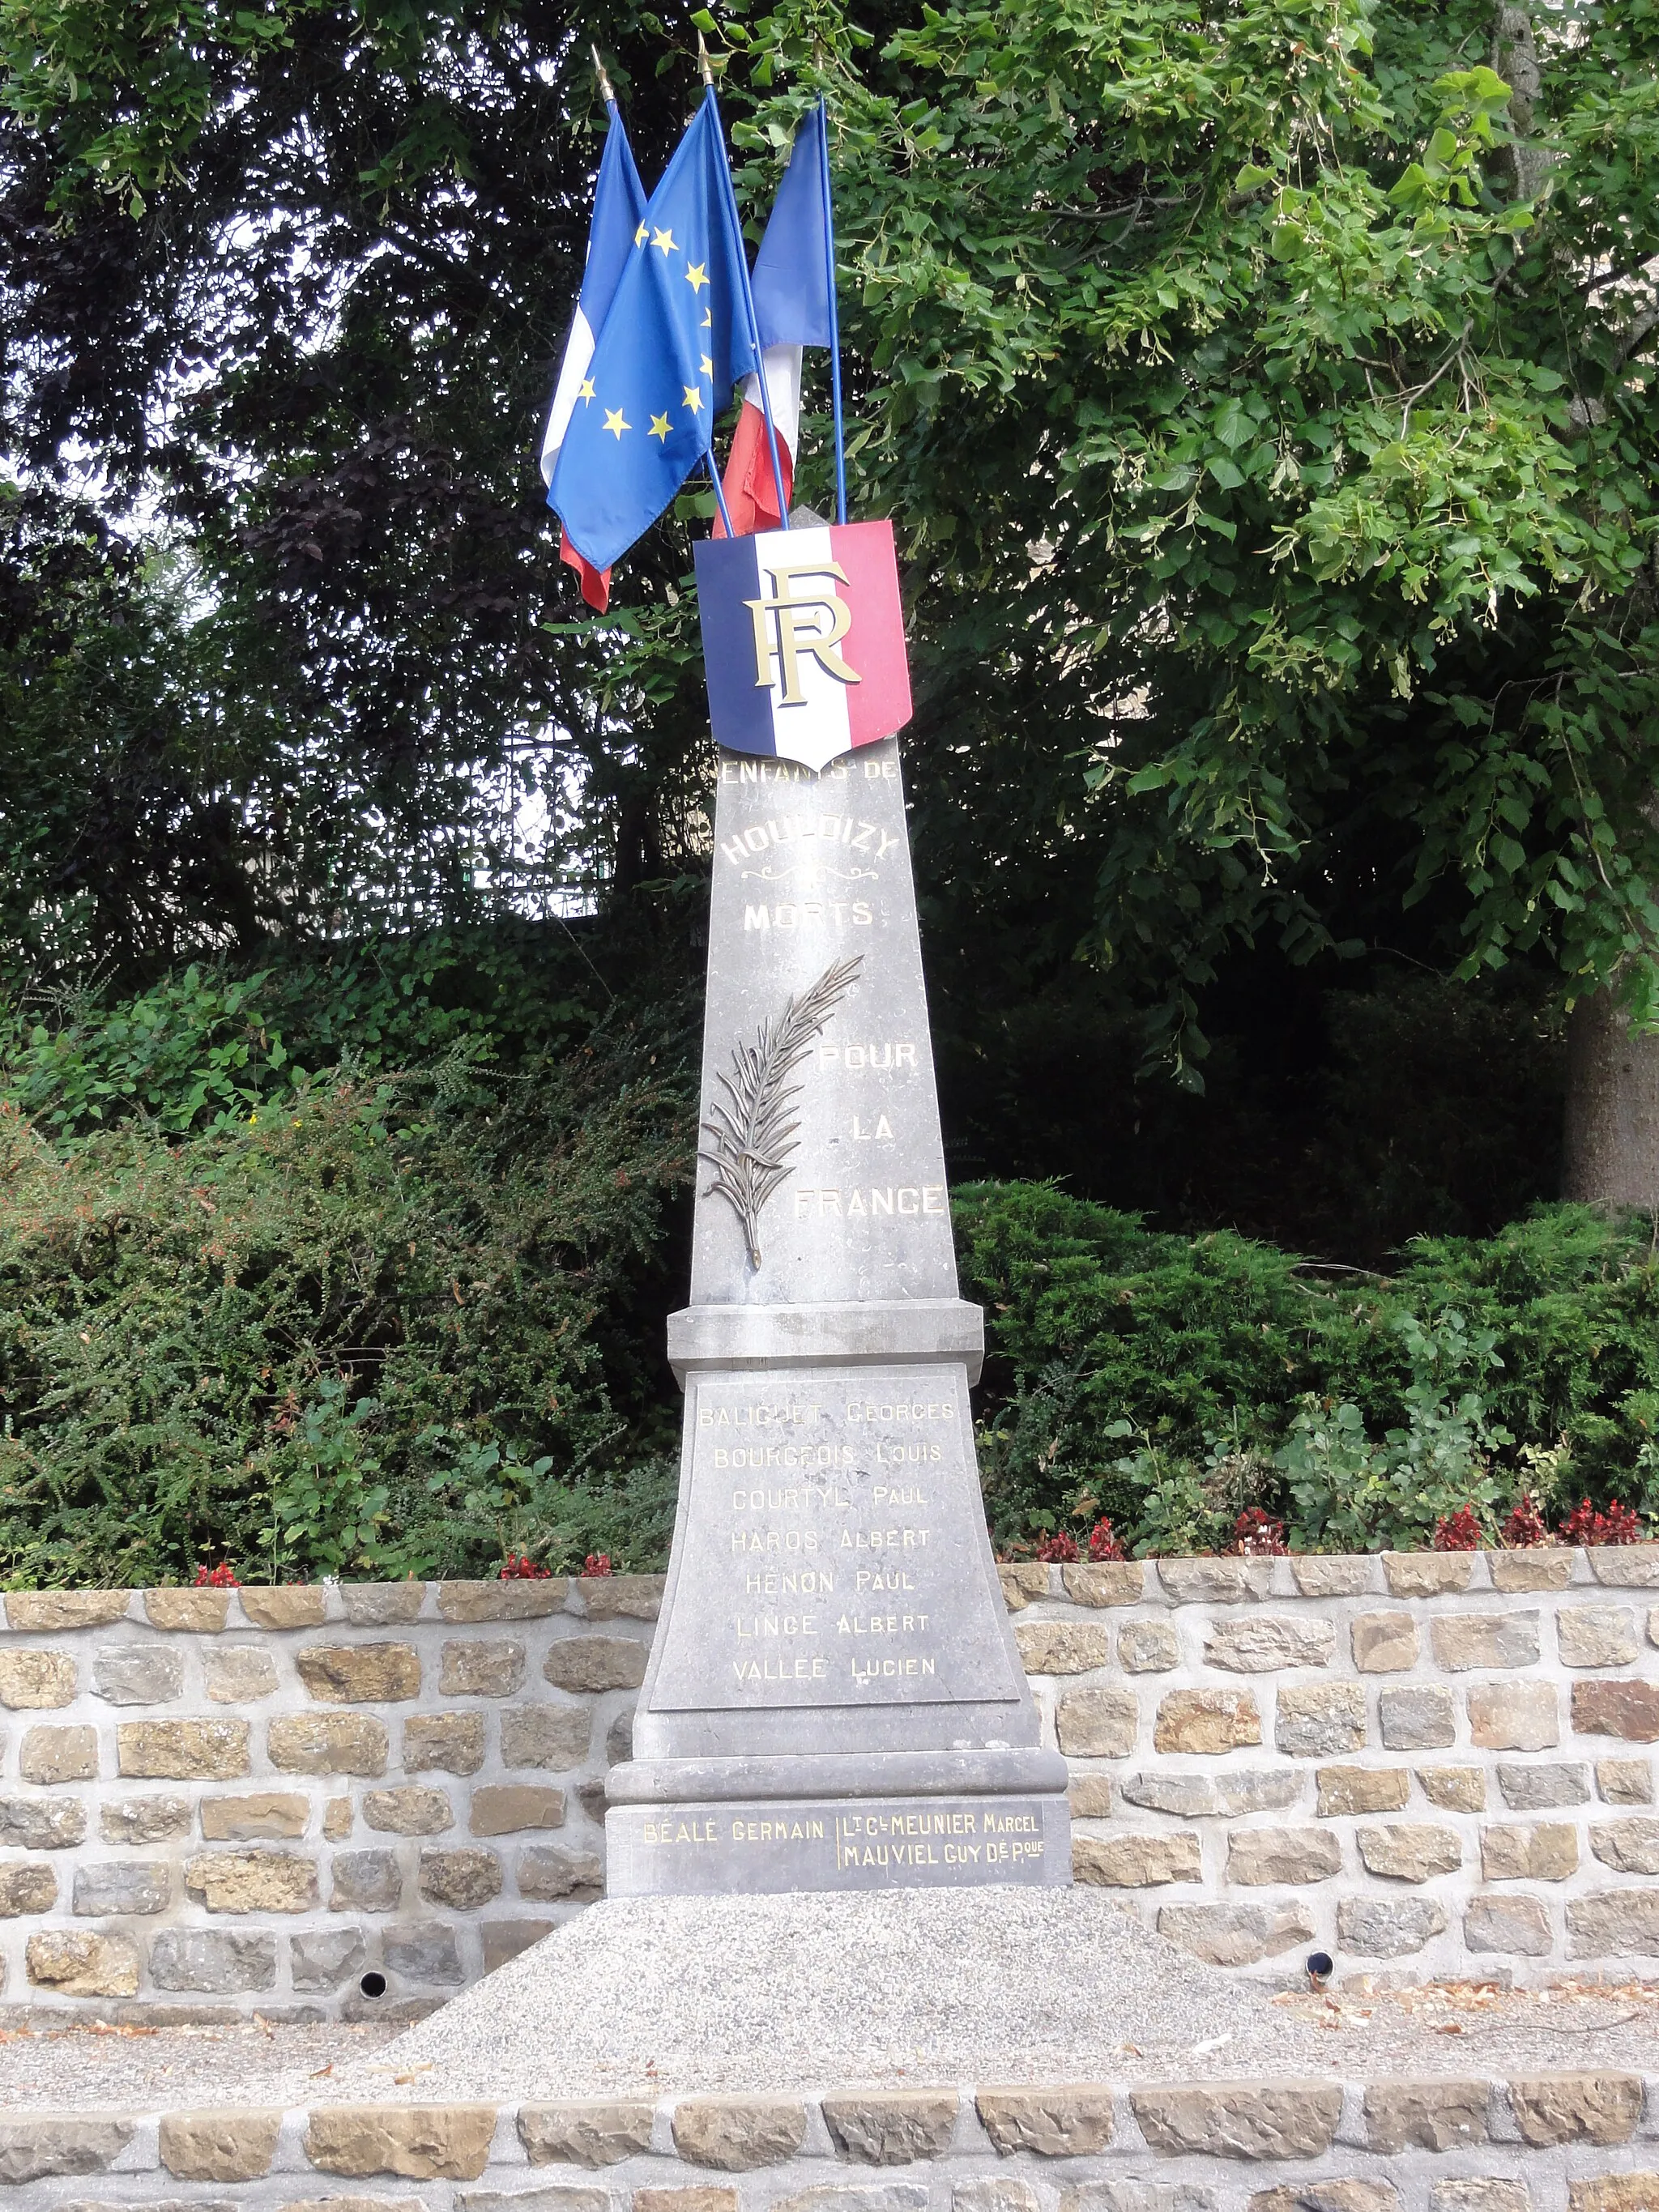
(787, 627)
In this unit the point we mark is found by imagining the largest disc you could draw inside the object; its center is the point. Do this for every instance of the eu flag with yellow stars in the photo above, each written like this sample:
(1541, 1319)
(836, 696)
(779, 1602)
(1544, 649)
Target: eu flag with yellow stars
(676, 340)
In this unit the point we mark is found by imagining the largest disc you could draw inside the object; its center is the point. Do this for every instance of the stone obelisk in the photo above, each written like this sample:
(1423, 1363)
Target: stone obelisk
(834, 1699)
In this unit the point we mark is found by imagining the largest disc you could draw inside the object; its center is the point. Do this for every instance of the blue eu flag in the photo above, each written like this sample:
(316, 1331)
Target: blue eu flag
(675, 341)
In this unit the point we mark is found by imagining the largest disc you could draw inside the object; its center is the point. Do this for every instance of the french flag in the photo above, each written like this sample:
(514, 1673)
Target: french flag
(618, 204)
(792, 308)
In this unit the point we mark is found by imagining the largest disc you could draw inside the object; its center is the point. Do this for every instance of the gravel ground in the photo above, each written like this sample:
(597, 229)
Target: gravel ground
(665, 1995)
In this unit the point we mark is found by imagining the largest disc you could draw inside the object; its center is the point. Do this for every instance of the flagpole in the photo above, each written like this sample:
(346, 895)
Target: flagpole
(748, 289)
(720, 490)
(834, 318)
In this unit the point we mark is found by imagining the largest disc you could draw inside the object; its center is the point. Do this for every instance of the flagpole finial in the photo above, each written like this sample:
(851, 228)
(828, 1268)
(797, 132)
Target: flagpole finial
(706, 65)
(606, 92)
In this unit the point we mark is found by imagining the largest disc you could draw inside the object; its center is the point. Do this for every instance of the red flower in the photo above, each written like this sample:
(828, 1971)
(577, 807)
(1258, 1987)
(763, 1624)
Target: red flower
(1584, 1525)
(597, 1563)
(1060, 1546)
(1457, 1532)
(1522, 1526)
(1257, 1536)
(220, 1578)
(519, 1566)
(1104, 1542)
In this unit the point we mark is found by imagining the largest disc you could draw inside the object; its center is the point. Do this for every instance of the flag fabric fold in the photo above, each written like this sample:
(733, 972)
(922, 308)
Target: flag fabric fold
(676, 340)
(618, 204)
(792, 310)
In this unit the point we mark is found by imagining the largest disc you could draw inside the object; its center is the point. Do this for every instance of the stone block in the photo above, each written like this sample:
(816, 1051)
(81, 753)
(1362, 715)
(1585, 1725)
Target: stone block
(239, 1674)
(482, 1668)
(860, 2196)
(619, 1738)
(506, 1808)
(144, 1819)
(183, 1751)
(502, 1940)
(1538, 1789)
(593, 1664)
(1062, 1647)
(1090, 1796)
(322, 1958)
(360, 1673)
(1487, 2193)
(1258, 1858)
(1409, 1850)
(413, 1810)
(226, 2142)
(328, 1743)
(1388, 1927)
(548, 1873)
(365, 1881)
(736, 2134)
(339, 1813)
(1229, 1792)
(1105, 1581)
(1596, 1635)
(58, 1755)
(253, 1881)
(1235, 1935)
(685, 2200)
(123, 1886)
(262, 1816)
(1567, 2108)
(382, 1605)
(1215, 1582)
(1328, 2197)
(1548, 1851)
(463, 1603)
(1244, 2120)
(1465, 1640)
(75, 1963)
(1002, 2192)
(194, 1612)
(1626, 1709)
(423, 1951)
(26, 1885)
(1417, 1719)
(1626, 1566)
(1213, 1721)
(213, 1961)
(1096, 1723)
(1628, 1846)
(1023, 1582)
(1518, 1927)
(1548, 1567)
(1454, 1789)
(1361, 1789)
(1613, 1924)
(1625, 1781)
(446, 1743)
(299, 1605)
(1069, 2120)
(1433, 2115)
(553, 2197)
(621, 1597)
(1615, 2192)
(891, 2127)
(354, 2202)
(42, 1824)
(40, 2145)
(1384, 1643)
(1515, 1716)
(584, 2130)
(1147, 1647)
(35, 1681)
(556, 1737)
(44, 1612)
(1425, 1574)
(1319, 1720)
(418, 2142)
(138, 1674)
(461, 1879)
(1135, 1860)
(1263, 1643)
(1333, 1577)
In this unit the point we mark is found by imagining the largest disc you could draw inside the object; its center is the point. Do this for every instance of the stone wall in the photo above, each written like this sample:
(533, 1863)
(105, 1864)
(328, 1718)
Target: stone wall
(256, 1800)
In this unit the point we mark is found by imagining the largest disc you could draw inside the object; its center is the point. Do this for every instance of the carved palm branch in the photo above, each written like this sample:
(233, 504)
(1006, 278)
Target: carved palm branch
(752, 1137)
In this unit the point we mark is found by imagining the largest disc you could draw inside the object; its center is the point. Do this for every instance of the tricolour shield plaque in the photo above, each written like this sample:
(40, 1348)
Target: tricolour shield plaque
(803, 641)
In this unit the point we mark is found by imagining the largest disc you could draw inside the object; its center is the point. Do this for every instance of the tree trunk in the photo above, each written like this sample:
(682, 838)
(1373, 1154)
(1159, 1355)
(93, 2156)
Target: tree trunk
(1612, 1135)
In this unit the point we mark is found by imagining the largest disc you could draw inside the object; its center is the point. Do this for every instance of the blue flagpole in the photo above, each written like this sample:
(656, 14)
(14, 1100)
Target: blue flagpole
(748, 290)
(834, 318)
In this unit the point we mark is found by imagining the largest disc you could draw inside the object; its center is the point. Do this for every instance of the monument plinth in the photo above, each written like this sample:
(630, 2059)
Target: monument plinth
(834, 1699)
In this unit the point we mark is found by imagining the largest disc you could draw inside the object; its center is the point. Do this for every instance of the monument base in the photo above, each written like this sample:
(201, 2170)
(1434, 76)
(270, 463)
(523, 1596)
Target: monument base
(766, 1846)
